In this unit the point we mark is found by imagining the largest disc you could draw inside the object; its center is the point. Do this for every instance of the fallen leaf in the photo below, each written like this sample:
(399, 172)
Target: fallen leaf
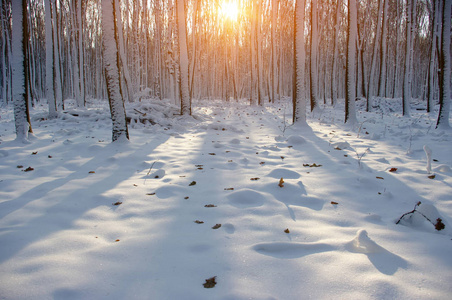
(182, 176)
(287, 230)
(392, 169)
(28, 169)
(379, 177)
(228, 189)
(199, 222)
(439, 224)
(227, 151)
(305, 165)
(435, 159)
(281, 182)
(212, 154)
(20, 166)
(314, 165)
(289, 146)
(135, 184)
(117, 203)
(254, 178)
(186, 197)
(49, 156)
(262, 162)
(337, 148)
(117, 240)
(230, 160)
(216, 226)
(210, 283)
(192, 183)
(34, 153)
(150, 194)
(210, 205)
(91, 172)
(334, 203)
(430, 176)
(282, 157)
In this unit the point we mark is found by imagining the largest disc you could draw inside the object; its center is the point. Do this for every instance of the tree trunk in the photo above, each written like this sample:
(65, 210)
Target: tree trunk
(313, 63)
(335, 54)
(350, 110)
(445, 65)
(111, 60)
(382, 80)
(432, 62)
(298, 99)
(370, 88)
(50, 95)
(183, 59)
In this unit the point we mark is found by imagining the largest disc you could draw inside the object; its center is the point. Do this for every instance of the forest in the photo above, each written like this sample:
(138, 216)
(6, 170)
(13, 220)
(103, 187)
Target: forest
(234, 49)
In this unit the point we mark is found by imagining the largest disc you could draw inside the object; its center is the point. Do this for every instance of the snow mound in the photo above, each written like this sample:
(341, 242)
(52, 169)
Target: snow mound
(418, 219)
(284, 173)
(234, 141)
(443, 169)
(280, 138)
(246, 198)
(362, 243)
(341, 145)
(291, 250)
(296, 140)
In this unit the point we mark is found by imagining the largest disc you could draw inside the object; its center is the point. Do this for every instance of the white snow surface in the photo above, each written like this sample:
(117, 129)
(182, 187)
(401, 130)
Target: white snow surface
(328, 233)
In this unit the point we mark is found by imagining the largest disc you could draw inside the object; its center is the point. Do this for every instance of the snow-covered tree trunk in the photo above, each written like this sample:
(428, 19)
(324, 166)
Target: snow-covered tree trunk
(111, 61)
(56, 58)
(273, 42)
(335, 53)
(81, 53)
(50, 95)
(299, 101)
(382, 80)
(445, 65)
(6, 81)
(431, 71)
(260, 76)
(407, 76)
(18, 69)
(350, 109)
(253, 58)
(373, 66)
(314, 47)
(183, 59)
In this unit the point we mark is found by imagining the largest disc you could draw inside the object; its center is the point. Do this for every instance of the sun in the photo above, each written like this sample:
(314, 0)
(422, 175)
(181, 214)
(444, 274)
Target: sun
(229, 10)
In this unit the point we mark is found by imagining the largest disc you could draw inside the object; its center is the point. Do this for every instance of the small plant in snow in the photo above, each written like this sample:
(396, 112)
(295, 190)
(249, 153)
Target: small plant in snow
(360, 156)
(439, 225)
(284, 123)
(428, 153)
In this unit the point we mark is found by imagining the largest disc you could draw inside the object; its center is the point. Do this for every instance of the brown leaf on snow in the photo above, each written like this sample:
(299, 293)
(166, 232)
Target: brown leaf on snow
(392, 169)
(337, 148)
(287, 230)
(432, 176)
(212, 154)
(192, 183)
(117, 203)
(439, 224)
(199, 222)
(34, 153)
(254, 178)
(210, 205)
(28, 169)
(210, 282)
(379, 177)
(91, 172)
(20, 166)
(262, 162)
(228, 189)
(281, 182)
(186, 197)
(150, 194)
(334, 203)
(216, 226)
(117, 240)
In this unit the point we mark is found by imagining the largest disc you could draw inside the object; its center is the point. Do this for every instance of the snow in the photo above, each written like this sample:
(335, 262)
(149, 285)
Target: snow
(102, 220)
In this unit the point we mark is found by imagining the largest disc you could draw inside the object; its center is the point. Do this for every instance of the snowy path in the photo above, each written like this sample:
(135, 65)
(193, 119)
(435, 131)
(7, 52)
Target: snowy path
(62, 238)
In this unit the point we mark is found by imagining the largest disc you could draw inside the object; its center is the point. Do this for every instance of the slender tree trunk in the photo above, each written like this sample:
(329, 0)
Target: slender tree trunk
(50, 95)
(56, 57)
(111, 59)
(253, 57)
(370, 88)
(350, 110)
(313, 63)
(407, 76)
(432, 62)
(335, 54)
(273, 42)
(445, 67)
(183, 59)
(298, 99)
(382, 80)
(18, 68)
(260, 77)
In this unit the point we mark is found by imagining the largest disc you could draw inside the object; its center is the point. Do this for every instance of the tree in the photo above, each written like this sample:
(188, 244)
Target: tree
(444, 87)
(335, 53)
(111, 60)
(314, 47)
(50, 94)
(299, 101)
(183, 59)
(411, 12)
(350, 110)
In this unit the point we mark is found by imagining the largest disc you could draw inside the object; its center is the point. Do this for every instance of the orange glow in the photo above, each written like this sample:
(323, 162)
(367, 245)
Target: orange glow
(229, 10)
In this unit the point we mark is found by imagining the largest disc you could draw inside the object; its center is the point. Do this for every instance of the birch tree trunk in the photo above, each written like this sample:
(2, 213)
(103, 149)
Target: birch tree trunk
(314, 47)
(382, 80)
(431, 72)
(50, 95)
(335, 54)
(56, 58)
(273, 42)
(407, 76)
(350, 109)
(18, 69)
(445, 65)
(370, 89)
(253, 56)
(111, 60)
(260, 77)
(298, 99)
(183, 59)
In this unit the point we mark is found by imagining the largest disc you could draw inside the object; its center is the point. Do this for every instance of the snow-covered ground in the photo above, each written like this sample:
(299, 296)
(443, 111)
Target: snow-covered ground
(96, 220)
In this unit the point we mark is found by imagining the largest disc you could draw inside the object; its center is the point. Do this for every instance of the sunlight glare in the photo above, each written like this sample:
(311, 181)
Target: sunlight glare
(229, 10)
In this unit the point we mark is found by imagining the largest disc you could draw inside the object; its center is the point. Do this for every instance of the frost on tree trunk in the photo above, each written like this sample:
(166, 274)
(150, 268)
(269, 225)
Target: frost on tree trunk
(350, 110)
(335, 55)
(444, 85)
(50, 95)
(111, 60)
(407, 78)
(273, 42)
(431, 86)
(299, 101)
(183, 60)
(253, 99)
(18, 70)
(370, 88)
(314, 47)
